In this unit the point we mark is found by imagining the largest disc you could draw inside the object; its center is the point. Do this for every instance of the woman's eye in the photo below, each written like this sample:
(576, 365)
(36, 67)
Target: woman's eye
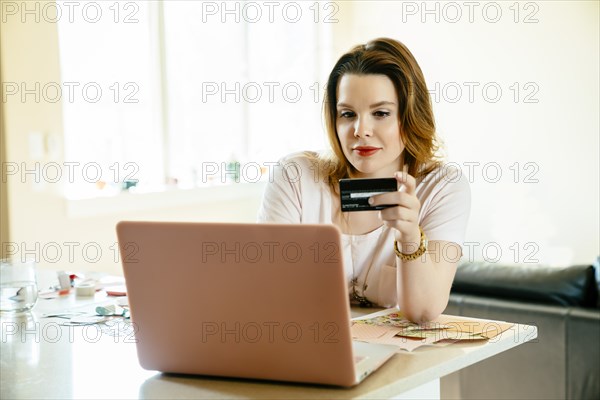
(346, 114)
(381, 113)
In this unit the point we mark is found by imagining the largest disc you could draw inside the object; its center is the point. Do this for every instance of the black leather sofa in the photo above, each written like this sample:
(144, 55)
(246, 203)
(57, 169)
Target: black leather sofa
(562, 363)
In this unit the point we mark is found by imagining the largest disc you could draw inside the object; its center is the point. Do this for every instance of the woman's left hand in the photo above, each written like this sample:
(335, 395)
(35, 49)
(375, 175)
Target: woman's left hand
(404, 217)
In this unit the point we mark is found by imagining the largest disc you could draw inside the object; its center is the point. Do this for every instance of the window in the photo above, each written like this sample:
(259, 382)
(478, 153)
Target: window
(167, 91)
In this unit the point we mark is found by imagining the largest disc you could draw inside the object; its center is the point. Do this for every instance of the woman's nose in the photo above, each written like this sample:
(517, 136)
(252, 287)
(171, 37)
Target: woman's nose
(362, 128)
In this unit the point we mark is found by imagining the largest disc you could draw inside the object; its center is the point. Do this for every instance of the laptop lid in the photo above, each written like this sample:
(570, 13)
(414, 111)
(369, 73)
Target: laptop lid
(265, 301)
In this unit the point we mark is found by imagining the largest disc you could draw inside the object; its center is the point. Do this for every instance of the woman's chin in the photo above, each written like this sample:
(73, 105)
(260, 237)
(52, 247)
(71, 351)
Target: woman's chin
(365, 172)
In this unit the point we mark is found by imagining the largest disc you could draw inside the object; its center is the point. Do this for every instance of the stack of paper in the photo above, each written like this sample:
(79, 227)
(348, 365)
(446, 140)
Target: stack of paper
(390, 327)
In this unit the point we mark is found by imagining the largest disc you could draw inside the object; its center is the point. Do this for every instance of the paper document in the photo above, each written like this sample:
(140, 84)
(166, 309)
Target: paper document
(391, 327)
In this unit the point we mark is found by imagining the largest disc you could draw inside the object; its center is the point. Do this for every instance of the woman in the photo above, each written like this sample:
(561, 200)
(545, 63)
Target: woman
(380, 123)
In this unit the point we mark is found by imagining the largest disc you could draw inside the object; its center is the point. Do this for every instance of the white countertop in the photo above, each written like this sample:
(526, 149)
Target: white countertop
(42, 359)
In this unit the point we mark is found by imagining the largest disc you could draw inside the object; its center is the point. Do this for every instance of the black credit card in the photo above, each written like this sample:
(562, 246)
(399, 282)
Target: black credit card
(355, 193)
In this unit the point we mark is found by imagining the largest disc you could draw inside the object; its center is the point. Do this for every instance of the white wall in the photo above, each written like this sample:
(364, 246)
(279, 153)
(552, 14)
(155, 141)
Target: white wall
(558, 215)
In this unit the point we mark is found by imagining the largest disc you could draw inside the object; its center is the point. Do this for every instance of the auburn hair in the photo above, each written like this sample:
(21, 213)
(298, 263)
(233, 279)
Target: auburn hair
(391, 58)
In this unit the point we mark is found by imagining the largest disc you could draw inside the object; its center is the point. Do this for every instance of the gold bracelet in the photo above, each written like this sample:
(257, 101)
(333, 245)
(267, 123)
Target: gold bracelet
(420, 251)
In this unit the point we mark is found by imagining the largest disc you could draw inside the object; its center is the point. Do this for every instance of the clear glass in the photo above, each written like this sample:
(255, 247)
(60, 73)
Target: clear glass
(18, 286)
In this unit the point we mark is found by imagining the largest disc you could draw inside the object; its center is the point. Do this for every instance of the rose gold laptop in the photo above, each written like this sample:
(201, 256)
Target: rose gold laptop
(264, 301)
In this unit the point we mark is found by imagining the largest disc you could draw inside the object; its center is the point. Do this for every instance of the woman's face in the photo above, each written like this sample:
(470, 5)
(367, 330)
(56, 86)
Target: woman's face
(367, 124)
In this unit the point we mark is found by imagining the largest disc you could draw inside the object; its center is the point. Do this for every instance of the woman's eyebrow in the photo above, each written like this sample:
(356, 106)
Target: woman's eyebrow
(383, 103)
(378, 104)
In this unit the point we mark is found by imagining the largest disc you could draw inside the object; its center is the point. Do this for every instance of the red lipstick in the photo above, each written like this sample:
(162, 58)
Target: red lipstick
(366, 151)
